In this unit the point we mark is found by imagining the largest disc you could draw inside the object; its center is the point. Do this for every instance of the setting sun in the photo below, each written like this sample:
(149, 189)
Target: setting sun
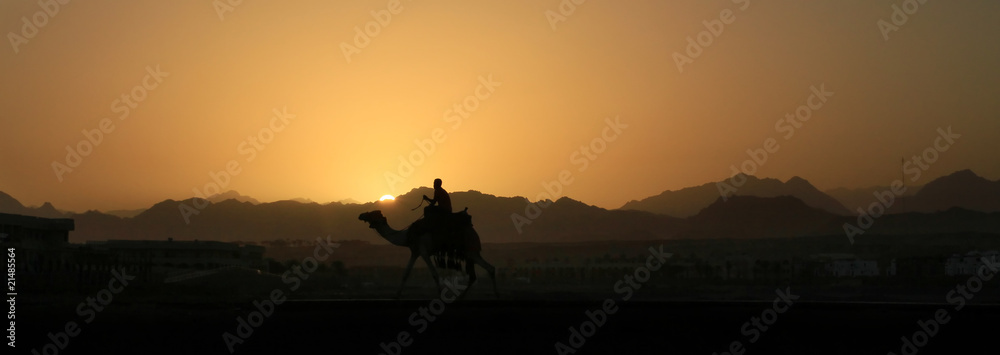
(387, 197)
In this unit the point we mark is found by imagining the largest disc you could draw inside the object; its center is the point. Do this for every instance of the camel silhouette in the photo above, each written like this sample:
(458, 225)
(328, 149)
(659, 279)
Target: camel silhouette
(438, 244)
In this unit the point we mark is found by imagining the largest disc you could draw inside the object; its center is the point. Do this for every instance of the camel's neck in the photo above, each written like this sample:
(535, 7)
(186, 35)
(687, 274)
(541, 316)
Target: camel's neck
(396, 237)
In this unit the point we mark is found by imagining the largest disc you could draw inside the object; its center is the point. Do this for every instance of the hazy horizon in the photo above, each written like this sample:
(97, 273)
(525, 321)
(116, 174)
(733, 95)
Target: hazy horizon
(540, 90)
(350, 200)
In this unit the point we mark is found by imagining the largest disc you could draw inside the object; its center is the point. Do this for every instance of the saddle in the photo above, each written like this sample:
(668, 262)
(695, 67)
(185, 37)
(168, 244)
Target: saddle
(448, 230)
(437, 222)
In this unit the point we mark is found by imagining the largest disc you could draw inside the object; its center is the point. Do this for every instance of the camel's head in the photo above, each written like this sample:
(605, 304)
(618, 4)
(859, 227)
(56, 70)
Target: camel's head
(373, 218)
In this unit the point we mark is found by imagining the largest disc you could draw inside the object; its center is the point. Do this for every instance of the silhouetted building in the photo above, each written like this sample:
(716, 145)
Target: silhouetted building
(47, 261)
(40, 246)
(168, 256)
(34, 232)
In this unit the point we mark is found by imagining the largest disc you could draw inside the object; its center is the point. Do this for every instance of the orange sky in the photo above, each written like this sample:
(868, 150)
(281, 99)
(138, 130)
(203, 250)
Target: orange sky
(553, 91)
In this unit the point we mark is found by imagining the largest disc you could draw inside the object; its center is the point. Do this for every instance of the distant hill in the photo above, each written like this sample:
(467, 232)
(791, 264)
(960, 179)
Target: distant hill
(235, 220)
(565, 220)
(962, 189)
(232, 195)
(862, 197)
(126, 213)
(498, 219)
(746, 217)
(568, 220)
(689, 201)
(954, 220)
(48, 211)
(9, 204)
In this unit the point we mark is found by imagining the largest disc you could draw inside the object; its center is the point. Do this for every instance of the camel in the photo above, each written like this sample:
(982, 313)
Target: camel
(423, 246)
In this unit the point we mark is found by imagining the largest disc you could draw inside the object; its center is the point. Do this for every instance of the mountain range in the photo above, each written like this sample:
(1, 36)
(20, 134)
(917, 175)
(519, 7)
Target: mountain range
(962, 189)
(761, 208)
(689, 201)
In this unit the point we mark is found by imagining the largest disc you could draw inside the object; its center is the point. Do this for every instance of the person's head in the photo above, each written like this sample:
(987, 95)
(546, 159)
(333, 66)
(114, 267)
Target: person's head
(437, 183)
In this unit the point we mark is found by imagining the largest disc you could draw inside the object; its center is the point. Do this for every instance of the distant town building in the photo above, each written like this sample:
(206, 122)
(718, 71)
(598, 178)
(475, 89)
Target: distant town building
(170, 255)
(740, 267)
(848, 265)
(969, 263)
(40, 245)
(45, 260)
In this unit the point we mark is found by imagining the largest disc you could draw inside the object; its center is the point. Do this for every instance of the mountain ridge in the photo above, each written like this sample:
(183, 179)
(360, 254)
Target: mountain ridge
(689, 201)
(501, 219)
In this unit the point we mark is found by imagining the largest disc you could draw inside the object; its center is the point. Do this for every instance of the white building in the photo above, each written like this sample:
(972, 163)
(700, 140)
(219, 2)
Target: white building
(849, 265)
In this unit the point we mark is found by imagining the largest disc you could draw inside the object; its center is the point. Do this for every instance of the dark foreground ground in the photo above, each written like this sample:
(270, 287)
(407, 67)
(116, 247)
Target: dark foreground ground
(508, 327)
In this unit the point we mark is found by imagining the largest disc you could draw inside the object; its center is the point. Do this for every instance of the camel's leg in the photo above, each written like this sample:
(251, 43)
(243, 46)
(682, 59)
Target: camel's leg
(430, 265)
(406, 274)
(478, 258)
(470, 268)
